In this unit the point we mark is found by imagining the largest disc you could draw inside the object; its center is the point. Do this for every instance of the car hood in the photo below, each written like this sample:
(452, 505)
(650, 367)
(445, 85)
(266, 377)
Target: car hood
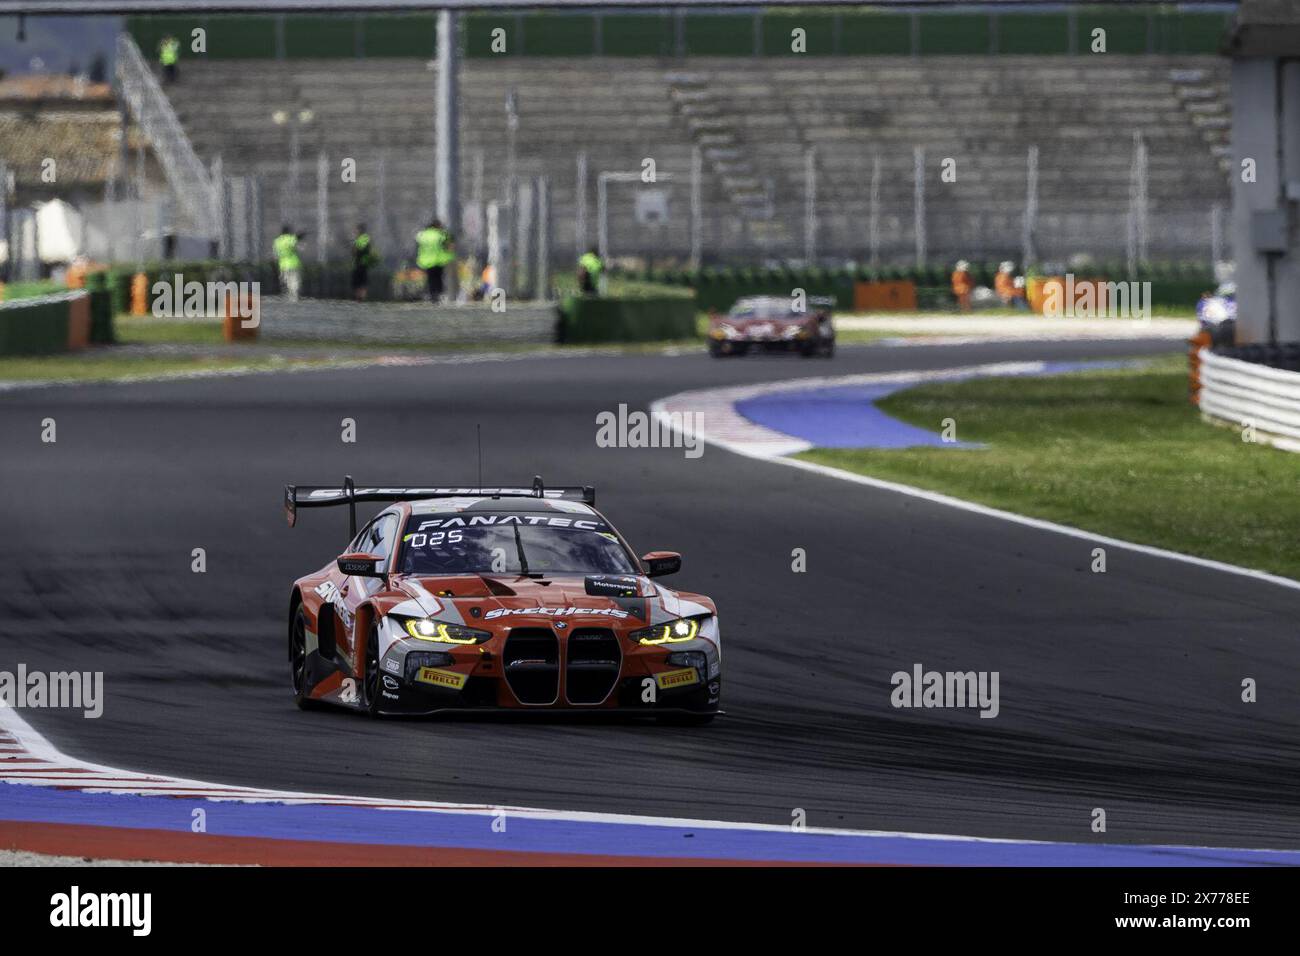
(509, 599)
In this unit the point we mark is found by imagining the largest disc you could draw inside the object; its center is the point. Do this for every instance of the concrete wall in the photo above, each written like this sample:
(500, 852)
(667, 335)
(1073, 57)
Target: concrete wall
(1266, 130)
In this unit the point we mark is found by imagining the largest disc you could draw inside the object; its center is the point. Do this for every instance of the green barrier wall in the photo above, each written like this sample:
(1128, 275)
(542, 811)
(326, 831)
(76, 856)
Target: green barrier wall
(101, 309)
(598, 319)
(1134, 29)
(718, 289)
(638, 34)
(33, 327)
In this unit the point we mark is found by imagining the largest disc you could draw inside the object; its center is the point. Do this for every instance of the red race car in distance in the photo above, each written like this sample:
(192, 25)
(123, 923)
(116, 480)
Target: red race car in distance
(773, 324)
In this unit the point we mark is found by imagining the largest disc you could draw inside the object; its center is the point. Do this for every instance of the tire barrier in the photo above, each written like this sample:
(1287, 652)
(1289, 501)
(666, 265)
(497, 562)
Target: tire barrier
(1255, 387)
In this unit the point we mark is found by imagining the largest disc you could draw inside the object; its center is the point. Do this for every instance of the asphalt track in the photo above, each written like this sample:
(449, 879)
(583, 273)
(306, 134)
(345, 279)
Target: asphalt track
(1119, 691)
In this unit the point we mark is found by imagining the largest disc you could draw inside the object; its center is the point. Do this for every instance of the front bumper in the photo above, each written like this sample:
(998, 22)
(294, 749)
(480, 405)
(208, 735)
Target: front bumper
(536, 668)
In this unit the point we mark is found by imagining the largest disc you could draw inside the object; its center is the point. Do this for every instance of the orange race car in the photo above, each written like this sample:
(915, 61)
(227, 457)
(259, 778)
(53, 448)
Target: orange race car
(496, 598)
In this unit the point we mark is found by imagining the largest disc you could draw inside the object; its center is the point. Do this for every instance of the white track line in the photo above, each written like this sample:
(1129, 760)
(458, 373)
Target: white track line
(726, 428)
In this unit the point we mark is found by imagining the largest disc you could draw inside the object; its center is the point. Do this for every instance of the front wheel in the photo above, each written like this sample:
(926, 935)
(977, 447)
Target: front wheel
(298, 660)
(372, 671)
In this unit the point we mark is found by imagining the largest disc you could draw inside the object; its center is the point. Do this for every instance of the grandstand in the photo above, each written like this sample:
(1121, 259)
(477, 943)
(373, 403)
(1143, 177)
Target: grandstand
(62, 118)
(754, 120)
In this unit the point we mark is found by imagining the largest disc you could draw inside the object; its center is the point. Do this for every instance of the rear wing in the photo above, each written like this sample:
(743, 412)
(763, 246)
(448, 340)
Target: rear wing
(325, 496)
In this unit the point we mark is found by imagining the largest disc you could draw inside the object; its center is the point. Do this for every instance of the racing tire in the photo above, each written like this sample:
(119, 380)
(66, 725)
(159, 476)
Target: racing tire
(716, 351)
(371, 674)
(828, 350)
(298, 661)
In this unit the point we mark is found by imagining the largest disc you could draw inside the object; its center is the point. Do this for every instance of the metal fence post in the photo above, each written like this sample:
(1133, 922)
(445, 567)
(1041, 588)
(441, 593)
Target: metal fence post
(697, 206)
(258, 221)
(217, 245)
(873, 220)
(493, 217)
(322, 208)
(543, 277)
(918, 203)
(523, 206)
(810, 206)
(580, 225)
(447, 180)
(1028, 250)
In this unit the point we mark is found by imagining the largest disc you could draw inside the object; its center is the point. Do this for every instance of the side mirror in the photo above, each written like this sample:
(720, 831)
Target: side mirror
(360, 564)
(659, 563)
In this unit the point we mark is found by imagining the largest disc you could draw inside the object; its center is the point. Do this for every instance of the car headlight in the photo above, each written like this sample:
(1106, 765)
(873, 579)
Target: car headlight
(673, 632)
(427, 629)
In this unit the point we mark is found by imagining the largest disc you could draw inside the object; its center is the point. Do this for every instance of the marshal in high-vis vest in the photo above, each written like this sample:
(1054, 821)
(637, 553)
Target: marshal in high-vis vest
(434, 251)
(288, 262)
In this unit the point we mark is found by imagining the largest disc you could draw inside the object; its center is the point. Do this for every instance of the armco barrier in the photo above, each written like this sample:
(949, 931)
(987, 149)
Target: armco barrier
(54, 323)
(1253, 395)
(600, 319)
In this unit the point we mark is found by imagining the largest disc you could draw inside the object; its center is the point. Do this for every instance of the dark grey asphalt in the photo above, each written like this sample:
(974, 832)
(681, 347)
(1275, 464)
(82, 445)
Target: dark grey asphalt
(1118, 691)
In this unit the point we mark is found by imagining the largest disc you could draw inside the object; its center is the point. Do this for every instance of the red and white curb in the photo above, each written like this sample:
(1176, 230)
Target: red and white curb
(28, 758)
(718, 422)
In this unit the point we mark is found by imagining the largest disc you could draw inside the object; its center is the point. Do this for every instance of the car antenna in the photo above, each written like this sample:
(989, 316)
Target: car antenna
(478, 431)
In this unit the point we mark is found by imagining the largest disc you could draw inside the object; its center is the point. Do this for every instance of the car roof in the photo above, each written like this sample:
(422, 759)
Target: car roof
(502, 505)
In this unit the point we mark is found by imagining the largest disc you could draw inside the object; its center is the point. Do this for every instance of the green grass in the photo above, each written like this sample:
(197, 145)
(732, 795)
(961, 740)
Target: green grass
(28, 290)
(1120, 453)
(147, 330)
(868, 336)
(77, 368)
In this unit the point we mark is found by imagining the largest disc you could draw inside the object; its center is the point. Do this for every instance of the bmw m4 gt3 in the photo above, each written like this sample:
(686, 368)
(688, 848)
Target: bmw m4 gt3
(508, 598)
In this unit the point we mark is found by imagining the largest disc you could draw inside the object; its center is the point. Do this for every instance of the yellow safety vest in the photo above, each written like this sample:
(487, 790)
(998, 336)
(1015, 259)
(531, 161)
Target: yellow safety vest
(286, 251)
(431, 248)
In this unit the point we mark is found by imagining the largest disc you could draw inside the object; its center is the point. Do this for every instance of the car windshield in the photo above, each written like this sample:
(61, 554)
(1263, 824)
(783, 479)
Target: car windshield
(771, 311)
(511, 544)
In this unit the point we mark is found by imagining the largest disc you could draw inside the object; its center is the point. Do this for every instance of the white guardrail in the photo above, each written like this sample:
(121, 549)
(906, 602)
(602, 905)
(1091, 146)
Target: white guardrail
(1250, 395)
